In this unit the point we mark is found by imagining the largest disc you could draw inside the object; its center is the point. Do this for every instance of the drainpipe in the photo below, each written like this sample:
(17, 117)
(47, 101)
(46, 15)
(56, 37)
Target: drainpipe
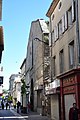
(51, 51)
(77, 37)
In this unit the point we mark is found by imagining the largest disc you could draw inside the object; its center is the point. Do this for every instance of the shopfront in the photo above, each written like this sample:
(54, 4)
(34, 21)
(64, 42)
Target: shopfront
(69, 91)
(53, 91)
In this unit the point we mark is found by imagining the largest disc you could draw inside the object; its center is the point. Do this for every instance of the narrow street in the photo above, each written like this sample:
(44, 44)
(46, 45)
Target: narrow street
(10, 115)
(13, 115)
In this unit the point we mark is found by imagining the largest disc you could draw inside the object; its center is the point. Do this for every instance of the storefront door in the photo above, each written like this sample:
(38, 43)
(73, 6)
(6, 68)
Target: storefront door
(68, 101)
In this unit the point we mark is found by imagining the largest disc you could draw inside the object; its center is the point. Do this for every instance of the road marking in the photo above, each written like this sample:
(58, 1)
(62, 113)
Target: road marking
(11, 117)
(18, 115)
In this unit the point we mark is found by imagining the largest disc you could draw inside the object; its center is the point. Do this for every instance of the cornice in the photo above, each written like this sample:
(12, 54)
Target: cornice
(52, 7)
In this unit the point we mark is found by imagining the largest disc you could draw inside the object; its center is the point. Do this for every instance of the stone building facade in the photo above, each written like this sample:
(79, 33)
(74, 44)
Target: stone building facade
(38, 42)
(64, 44)
(23, 84)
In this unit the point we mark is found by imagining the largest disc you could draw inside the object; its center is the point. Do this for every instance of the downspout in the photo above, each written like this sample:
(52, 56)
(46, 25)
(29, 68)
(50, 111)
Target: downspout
(77, 37)
(51, 50)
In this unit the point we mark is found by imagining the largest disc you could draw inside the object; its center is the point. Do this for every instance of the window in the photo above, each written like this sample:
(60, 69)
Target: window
(57, 32)
(61, 58)
(70, 16)
(52, 16)
(50, 39)
(73, 11)
(63, 24)
(66, 20)
(71, 54)
(54, 66)
(52, 36)
(60, 27)
(60, 4)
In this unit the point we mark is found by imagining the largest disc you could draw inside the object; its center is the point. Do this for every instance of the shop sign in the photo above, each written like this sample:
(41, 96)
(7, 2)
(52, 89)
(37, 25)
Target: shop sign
(68, 90)
(68, 81)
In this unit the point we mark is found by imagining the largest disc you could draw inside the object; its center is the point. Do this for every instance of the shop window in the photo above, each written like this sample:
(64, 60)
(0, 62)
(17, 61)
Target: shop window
(71, 54)
(61, 59)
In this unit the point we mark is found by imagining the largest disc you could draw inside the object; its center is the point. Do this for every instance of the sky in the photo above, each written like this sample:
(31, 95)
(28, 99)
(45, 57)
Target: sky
(17, 16)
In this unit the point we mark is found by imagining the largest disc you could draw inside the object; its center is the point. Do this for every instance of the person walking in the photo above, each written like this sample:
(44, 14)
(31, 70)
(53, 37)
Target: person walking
(6, 105)
(18, 106)
(73, 112)
(28, 107)
(2, 104)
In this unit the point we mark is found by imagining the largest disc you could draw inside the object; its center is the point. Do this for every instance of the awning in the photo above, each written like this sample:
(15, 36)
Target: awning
(53, 91)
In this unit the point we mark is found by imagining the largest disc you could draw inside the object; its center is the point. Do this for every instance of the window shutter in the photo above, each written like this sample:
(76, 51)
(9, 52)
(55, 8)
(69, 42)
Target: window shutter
(54, 33)
(71, 54)
(50, 39)
(66, 20)
(52, 36)
(73, 13)
(57, 32)
(63, 24)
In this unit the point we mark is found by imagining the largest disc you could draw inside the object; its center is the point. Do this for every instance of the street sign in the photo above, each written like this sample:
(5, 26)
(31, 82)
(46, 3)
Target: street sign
(1, 79)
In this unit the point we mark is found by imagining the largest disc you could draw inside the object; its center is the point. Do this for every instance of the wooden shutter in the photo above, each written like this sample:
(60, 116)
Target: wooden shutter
(66, 20)
(50, 39)
(52, 36)
(73, 11)
(63, 24)
(57, 32)
(54, 33)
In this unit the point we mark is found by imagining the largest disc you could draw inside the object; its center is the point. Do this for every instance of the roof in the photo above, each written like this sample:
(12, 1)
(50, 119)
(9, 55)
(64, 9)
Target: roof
(1, 36)
(0, 9)
(23, 63)
(44, 26)
(52, 7)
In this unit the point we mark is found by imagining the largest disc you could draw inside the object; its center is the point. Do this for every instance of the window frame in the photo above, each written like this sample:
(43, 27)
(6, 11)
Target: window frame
(71, 56)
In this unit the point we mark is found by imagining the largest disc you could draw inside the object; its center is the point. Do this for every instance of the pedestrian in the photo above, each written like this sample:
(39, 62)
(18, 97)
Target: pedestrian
(2, 104)
(9, 105)
(6, 105)
(73, 112)
(28, 107)
(18, 106)
(43, 107)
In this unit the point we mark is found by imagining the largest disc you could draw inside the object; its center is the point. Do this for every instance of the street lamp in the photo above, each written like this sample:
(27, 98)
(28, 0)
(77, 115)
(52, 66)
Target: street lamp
(41, 41)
